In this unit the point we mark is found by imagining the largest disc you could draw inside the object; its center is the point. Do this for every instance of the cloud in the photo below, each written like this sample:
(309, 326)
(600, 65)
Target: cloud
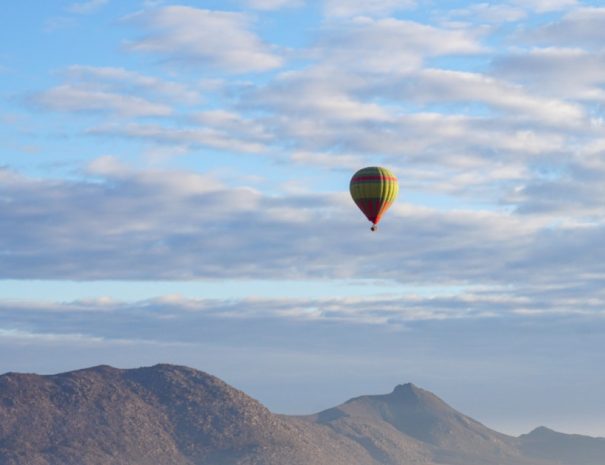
(120, 79)
(215, 39)
(214, 129)
(439, 86)
(581, 27)
(273, 4)
(574, 192)
(174, 319)
(323, 95)
(117, 91)
(489, 12)
(73, 98)
(376, 46)
(543, 6)
(344, 113)
(332, 160)
(570, 73)
(19, 336)
(348, 8)
(127, 224)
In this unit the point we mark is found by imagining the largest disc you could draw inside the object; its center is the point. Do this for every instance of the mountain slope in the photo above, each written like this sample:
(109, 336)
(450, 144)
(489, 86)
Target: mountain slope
(149, 416)
(425, 423)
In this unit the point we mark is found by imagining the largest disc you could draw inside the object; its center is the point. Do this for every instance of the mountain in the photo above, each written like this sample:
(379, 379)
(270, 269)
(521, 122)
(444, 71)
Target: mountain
(163, 415)
(172, 415)
(547, 444)
(429, 426)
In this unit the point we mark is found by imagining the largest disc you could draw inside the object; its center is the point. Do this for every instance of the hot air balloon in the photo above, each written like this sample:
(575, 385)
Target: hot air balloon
(374, 189)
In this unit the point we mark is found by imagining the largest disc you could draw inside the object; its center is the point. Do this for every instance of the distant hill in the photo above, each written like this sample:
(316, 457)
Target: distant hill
(563, 448)
(172, 415)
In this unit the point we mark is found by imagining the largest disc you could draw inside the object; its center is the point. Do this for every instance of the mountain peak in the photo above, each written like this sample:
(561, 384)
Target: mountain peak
(406, 389)
(541, 432)
(410, 393)
(542, 429)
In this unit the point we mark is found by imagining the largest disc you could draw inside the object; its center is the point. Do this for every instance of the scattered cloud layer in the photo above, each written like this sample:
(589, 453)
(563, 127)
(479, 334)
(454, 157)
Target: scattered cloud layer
(204, 38)
(173, 319)
(131, 224)
(514, 146)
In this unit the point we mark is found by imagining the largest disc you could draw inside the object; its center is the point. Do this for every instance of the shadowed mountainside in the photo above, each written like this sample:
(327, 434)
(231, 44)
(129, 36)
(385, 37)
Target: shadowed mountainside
(171, 415)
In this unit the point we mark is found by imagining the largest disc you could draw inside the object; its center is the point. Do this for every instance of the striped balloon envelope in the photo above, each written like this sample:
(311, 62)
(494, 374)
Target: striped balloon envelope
(374, 189)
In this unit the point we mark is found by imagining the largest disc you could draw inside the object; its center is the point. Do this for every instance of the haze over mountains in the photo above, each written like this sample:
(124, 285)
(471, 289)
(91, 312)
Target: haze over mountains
(173, 415)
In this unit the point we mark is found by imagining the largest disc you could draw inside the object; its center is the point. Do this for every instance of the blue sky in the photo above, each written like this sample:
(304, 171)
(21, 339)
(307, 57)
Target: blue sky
(174, 188)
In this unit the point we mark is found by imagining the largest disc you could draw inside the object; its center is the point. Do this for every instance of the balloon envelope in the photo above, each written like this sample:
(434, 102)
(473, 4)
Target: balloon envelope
(374, 189)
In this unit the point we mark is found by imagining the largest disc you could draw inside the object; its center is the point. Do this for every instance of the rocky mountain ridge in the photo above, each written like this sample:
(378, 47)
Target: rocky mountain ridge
(173, 415)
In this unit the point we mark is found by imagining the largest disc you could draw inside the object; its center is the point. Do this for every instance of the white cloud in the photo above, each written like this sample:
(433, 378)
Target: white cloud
(72, 98)
(95, 321)
(208, 132)
(321, 94)
(566, 72)
(118, 91)
(489, 12)
(20, 336)
(581, 27)
(123, 80)
(332, 160)
(339, 113)
(215, 39)
(273, 4)
(376, 46)
(438, 85)
(543, 6)
(177, 184)
(348, 8)
(573, 191)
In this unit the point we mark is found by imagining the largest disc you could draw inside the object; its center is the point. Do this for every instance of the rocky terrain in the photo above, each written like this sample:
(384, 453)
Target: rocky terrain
(172, 415)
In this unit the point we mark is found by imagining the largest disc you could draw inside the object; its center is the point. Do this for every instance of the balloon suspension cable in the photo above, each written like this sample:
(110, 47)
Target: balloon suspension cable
(374, 227)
